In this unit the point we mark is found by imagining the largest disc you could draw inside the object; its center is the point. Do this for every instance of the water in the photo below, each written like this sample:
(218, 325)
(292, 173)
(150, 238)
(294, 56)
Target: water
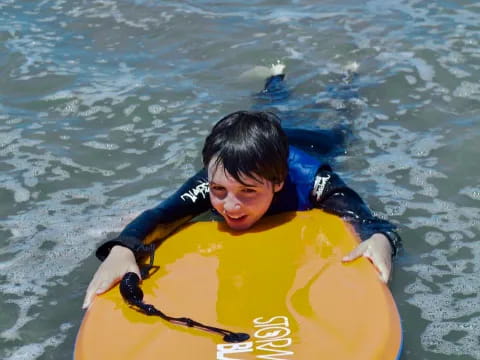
(104, 106)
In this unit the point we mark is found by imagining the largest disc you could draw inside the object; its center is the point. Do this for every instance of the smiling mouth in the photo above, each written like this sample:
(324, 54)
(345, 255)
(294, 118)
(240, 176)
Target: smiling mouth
(235, 218)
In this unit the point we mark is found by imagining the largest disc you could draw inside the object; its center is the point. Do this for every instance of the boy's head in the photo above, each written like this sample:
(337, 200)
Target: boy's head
(246, 156)
(249, 144)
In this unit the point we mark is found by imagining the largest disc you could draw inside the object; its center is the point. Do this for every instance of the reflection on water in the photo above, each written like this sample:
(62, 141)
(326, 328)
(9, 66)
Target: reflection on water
(104, 106)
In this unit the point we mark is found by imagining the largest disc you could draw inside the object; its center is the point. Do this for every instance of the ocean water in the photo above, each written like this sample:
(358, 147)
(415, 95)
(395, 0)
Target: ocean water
(104, 105)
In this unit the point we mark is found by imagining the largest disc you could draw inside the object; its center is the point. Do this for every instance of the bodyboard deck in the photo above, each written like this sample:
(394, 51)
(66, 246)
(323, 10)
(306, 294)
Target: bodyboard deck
(282, 282)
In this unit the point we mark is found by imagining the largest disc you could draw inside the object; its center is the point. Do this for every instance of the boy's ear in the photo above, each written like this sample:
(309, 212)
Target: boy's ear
(277, 187)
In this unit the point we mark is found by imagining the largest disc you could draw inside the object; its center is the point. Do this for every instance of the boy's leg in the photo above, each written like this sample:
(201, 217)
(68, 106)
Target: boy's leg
(275, 91)
(322, 142)
(341, 103)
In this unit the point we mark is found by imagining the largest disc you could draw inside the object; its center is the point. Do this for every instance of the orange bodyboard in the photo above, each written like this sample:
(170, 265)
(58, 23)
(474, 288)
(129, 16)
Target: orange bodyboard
(282, 282)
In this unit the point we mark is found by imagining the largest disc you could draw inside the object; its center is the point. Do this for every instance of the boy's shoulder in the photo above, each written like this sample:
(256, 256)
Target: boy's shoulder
(300, 161)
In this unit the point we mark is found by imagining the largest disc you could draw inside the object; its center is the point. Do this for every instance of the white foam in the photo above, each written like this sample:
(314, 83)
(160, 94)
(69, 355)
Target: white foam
(459, 73)
(294, 54)
(436, 333)
(155, 109)
(130, 109)
(101, 146)
(35, 350)
(467, 90)
(434, 238)
(473, 192)
(20, 193)
(412, 80)
(277, 68)
(352, 67)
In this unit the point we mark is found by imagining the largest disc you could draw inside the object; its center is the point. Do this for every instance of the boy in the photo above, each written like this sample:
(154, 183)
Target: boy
(249, 171)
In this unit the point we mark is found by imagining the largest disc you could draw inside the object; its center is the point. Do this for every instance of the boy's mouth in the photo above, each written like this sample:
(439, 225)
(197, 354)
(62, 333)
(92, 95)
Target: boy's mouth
(235, 219)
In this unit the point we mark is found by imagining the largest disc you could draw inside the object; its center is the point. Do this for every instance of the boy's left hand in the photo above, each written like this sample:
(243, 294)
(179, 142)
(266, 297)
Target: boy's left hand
(378, 250)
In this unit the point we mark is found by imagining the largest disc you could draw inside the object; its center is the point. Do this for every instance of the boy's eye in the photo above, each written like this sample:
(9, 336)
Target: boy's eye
(249, 190)
(217, 188)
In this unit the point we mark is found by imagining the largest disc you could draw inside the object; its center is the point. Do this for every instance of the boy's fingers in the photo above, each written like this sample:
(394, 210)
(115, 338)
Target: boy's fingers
(88, 296)
(96, 286)
(377, 255)
(109, 273)
(382, 271)
(86, 301)
(384, 267)
(104, 286)
(355, 253)
(384, 277)
(388, 271)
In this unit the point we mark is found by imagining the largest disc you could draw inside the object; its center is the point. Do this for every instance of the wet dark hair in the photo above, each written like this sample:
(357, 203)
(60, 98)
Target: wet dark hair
(249, 144)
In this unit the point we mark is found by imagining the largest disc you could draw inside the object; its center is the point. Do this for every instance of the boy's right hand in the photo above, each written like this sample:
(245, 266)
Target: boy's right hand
(120, 261)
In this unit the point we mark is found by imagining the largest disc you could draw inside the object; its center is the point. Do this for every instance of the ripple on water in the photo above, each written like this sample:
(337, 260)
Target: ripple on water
(467, 90)
(85, 71)
(446, 288)
(473, 192)
(59, 229)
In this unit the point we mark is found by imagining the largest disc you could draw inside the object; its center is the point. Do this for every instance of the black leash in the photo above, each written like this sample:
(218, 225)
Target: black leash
(133, 295)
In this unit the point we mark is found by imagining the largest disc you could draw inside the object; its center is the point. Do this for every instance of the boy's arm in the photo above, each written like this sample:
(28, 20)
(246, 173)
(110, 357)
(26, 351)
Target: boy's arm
(120, 255)
(190, 200)
(331, 194)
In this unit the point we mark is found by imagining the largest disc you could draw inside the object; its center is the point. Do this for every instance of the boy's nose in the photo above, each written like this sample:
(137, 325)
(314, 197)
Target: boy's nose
(231, 204)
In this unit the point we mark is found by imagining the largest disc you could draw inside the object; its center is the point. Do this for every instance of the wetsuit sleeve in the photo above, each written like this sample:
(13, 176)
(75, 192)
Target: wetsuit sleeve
(331, 194)
(190, 200)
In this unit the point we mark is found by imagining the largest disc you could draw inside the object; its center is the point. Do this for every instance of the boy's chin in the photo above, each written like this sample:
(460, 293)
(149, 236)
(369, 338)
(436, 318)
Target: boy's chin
(243, 225)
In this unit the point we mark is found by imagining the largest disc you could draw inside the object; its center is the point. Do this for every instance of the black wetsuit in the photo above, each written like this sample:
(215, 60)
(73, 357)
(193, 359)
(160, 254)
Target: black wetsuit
(309, 184)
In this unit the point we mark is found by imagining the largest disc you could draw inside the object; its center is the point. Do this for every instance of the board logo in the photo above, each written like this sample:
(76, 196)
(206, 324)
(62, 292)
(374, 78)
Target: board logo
(271, 340)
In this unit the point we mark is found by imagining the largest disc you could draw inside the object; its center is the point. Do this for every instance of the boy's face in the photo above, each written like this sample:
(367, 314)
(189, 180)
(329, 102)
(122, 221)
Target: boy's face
(240, 205)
